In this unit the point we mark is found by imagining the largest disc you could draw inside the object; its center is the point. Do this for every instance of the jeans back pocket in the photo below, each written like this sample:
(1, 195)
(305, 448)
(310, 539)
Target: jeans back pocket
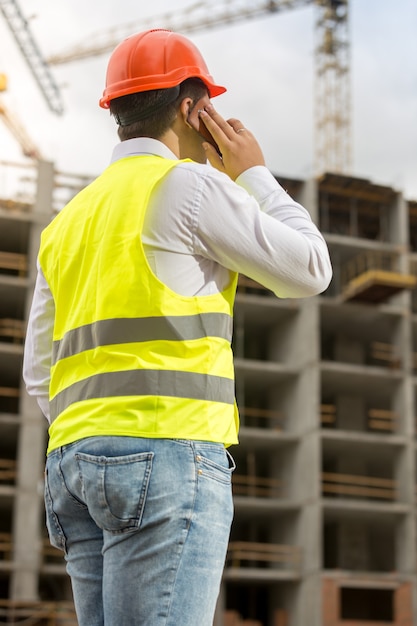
(115, 488)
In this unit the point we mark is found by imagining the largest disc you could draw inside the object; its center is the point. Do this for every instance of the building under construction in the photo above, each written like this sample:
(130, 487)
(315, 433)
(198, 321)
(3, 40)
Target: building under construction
(325, 509)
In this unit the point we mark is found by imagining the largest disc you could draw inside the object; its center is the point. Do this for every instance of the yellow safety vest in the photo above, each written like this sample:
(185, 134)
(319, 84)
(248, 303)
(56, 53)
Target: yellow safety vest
(130, 356)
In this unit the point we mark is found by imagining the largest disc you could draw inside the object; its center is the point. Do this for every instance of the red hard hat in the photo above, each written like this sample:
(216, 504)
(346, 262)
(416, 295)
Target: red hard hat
(154, 59)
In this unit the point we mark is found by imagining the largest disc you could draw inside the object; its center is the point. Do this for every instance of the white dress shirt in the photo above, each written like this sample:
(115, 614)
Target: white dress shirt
(199, 226)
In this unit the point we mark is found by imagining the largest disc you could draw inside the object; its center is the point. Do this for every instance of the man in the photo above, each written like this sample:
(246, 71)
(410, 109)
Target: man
(128, 343)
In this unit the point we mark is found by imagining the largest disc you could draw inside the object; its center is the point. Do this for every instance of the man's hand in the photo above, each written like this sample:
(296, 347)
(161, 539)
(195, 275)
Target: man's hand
(240, 150)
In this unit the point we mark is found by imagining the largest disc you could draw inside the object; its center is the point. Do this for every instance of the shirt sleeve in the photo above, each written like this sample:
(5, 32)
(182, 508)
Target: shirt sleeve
(254, 227)
(38, 344)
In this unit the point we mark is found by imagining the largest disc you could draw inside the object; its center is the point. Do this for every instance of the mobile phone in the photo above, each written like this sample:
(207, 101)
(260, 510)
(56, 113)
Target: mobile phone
(204, 132)
(198, 125)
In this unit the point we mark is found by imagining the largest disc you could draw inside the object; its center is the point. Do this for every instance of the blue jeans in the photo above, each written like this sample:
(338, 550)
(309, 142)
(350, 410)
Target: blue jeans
(144, 524)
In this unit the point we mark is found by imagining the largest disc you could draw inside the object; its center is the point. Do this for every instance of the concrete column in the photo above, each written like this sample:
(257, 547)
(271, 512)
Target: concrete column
(28, 506)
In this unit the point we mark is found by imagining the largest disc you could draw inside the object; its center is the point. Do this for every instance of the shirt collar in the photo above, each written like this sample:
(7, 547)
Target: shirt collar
(140, 146)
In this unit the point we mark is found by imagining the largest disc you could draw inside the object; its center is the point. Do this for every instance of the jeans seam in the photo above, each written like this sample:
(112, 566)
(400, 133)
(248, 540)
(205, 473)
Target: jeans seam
(187, 529)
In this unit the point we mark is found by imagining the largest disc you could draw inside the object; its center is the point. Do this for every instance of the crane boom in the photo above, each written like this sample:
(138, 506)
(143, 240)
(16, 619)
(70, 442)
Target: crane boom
(332, 81)
(30, 50)
(198, 16)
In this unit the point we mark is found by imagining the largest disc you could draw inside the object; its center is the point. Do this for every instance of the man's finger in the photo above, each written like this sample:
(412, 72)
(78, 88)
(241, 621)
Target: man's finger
(216, 124)
(213, 157)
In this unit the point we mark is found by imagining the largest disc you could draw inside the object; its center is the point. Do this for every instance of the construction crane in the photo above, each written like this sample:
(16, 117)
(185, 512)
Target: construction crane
(19, 27)
(332, 67)
(15, 126)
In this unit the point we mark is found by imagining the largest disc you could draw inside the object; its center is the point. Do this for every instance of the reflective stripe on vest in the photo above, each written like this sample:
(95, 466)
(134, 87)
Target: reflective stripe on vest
(132, 330)
(144, 383)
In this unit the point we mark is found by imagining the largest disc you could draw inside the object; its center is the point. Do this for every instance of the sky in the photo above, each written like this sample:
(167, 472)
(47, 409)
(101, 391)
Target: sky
(267, 65)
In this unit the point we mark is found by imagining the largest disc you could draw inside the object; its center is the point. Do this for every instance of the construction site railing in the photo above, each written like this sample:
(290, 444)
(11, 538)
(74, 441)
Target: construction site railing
(256, 486)
(13, 261)
(37, 613)
(50, 553)
(256, 553)
(356, 486)
(233, 618)
(376, 419)
(385, 353)
(272, 418)
(6, 546)
(247, 285)
(366, 261)
(7, 471)
(9, 399)
(12, 330)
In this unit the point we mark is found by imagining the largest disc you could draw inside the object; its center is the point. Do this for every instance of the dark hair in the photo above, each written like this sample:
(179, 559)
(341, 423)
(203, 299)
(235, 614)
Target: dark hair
(158, 122)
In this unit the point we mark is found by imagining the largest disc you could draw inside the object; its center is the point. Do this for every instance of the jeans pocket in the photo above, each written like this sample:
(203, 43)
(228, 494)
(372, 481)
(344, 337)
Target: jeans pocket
(115, 488)
(215, 462)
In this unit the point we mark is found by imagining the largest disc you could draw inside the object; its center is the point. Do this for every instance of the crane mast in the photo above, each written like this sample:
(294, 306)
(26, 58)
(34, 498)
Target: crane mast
(332, 88)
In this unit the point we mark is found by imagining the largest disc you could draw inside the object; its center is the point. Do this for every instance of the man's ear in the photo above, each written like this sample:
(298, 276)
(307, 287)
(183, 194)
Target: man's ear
(185, 109)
